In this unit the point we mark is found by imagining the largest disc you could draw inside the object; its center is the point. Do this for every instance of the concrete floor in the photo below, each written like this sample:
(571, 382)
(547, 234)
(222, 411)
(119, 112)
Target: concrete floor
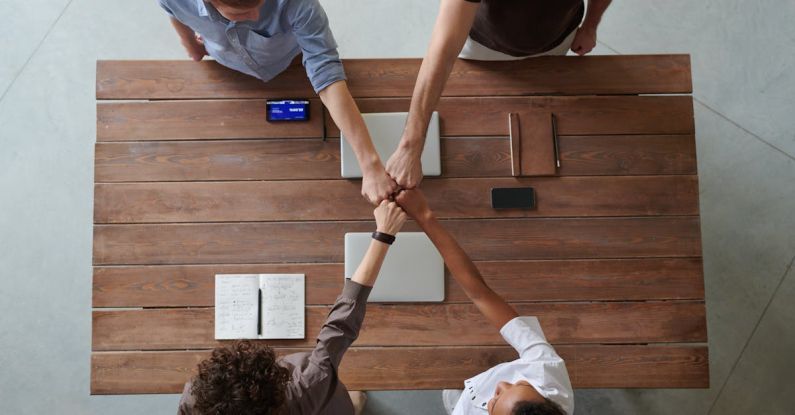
(744, 81)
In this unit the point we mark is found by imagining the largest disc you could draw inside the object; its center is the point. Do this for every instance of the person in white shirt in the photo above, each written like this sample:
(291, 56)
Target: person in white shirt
(535, 383)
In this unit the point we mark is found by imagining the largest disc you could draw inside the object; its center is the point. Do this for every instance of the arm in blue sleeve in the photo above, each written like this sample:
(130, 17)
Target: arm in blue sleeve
(311, 27)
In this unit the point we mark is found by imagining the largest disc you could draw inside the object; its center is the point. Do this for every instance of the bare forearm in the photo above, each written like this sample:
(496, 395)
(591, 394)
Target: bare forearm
(430, 82)
(368, 269)
(593, 15)
(448, 37)
(457, 261)
(343, 110)
(494, 307)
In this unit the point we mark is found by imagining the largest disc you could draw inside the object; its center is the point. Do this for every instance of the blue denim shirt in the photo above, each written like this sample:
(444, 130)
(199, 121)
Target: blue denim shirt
(266, 47)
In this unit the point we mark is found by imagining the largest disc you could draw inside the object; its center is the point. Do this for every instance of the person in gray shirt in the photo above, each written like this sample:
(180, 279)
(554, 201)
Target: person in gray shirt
(263, 38)
(247, 378)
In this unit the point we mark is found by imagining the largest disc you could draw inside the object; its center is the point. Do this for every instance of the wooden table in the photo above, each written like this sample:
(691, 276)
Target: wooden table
(190, 181)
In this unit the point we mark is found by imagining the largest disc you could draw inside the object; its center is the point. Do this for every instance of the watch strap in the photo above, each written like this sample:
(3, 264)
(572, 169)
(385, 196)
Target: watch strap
(384, 237)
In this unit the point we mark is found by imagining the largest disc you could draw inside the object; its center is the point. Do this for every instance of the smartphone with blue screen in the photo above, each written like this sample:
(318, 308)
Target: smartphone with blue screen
(287, 110)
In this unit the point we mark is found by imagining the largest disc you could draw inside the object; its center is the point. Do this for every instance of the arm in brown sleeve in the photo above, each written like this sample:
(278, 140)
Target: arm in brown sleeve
(342, 325)
(186, 401)
(317, 385)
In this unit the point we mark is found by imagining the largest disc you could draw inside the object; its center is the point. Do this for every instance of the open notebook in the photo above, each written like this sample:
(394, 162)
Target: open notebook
(259, 306)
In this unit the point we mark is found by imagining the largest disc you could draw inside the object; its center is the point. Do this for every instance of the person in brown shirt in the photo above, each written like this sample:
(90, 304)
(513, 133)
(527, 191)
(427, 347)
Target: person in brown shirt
(487, 30)
(247, 378)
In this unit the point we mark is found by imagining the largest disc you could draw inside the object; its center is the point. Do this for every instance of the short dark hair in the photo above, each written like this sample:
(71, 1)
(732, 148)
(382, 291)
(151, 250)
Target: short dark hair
(241, 378)
(547, 407)
(240, 4)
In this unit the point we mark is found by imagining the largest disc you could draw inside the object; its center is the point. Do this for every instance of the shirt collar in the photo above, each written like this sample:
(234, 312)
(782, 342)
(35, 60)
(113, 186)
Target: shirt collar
(202, 7)
(480, 389)
(207, 10)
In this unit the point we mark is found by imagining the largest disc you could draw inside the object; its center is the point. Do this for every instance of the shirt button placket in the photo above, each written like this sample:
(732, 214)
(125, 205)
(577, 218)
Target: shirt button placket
(234, 38)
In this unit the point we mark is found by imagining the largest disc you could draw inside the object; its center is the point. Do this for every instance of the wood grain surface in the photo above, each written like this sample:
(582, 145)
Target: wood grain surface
(195, 120)
(421, 325)
(516, 281)
(498, 239)
(325, 200)
(461, 116)
(297, 159)
(558, 75)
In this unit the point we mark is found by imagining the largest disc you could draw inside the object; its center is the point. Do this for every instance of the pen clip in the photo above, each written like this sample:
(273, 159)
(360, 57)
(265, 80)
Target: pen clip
(259, 311)
(555, 140)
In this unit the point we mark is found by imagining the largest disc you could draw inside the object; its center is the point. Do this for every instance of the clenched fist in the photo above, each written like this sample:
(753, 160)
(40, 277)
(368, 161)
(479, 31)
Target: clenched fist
(389, 217)
(414, 203)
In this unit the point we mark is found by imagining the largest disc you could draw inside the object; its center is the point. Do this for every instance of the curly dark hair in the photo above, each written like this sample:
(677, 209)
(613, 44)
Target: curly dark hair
(547, 407)
(241, 378)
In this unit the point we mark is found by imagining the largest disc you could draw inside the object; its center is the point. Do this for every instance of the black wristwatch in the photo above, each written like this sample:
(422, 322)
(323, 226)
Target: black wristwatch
(384, 237)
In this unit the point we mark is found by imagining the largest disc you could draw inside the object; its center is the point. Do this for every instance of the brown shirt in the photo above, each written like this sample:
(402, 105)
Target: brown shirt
(525, 27)
(314, 387)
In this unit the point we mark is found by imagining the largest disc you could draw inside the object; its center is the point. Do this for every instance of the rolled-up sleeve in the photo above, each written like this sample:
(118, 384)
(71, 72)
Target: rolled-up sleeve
(342, 325)
(311, 28)
(526, 336)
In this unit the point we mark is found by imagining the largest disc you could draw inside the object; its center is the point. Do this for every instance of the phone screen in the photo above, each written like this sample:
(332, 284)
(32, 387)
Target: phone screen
(513, 198)
(287, 110)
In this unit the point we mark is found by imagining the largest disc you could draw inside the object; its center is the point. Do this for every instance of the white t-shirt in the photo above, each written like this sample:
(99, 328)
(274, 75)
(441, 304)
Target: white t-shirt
(538, 365)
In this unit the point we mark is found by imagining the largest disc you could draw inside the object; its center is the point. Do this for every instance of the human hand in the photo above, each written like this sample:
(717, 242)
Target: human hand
(584, 40)
(414, 203)
(377, 185)
(195, 47)
(389, 217)
(405, 167)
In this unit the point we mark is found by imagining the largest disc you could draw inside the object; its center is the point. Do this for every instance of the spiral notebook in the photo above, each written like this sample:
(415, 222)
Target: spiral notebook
(259, 306)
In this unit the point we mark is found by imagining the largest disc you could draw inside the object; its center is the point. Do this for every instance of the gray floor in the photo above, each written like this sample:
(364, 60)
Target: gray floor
(744, 81)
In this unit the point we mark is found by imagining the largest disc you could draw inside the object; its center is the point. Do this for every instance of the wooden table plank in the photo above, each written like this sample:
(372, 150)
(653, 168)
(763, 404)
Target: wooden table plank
(321, 200)
(638, 74)
(590, 366)
(466, 116)
(579, 115)
(293, 159)
(420, 325)
(550, 280)
(496, 239)
(296, 159)
(195, 120)
(619, 155)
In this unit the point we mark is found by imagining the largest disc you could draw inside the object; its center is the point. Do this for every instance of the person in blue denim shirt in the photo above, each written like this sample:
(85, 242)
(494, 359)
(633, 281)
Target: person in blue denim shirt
(261, 38)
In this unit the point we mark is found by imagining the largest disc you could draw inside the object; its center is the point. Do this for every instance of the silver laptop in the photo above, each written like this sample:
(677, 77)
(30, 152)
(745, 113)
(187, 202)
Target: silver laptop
(413, 270)
(386, 129)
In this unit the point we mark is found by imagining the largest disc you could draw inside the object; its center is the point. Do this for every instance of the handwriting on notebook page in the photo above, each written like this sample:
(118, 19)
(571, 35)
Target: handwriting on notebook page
(235, 306)
(283, 306)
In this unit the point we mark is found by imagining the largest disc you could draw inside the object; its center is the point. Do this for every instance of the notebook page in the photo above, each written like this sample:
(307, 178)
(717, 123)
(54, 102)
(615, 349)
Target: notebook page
(236, 306)
(282, 306)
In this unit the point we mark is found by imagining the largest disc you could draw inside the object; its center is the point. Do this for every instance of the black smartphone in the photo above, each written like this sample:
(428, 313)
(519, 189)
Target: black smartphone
(287, 109)
(513, 198)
